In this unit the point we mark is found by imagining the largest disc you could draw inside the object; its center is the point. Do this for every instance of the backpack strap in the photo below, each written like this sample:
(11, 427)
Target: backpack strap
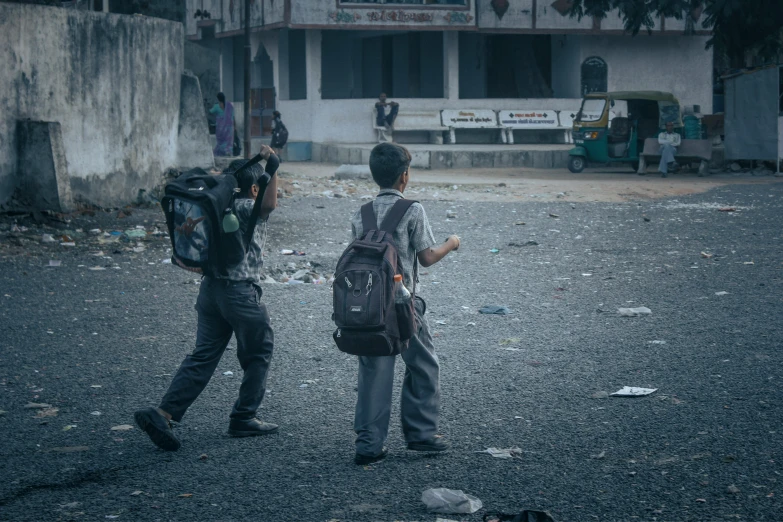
(369, 222)
(396, 214)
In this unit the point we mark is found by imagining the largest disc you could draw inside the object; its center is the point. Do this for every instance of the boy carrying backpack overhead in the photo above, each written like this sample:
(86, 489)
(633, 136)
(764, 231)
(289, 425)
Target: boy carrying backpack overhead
(355, 304)
(229, 302)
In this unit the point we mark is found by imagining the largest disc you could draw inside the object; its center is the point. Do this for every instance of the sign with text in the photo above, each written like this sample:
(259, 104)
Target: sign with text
(529, 119)
(469, 119)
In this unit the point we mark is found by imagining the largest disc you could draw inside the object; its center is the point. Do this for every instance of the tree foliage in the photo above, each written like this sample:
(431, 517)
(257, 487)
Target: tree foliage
(738, 27)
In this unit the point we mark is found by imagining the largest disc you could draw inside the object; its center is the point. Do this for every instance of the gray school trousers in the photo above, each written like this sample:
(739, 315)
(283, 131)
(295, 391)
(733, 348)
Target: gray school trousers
(420, 401)
(225, 307)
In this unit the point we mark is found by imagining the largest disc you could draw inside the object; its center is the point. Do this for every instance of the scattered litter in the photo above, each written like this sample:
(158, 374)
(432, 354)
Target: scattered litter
(450, 214)
(47, 238)
(47, 412)
(95, 231)
(599, 456)
(203, 456)
(494, 251)
(526, 243)
(528, 515)
(122, 427)
(471, 324)
(504, 453)
(136, 493)
(706, 255)
(185, 495)
(228, 373)
(96, 413)
(52, 262)
(727, 209)
(631, 391)
(657, 342)
(748, 263)
(69, 427)
(520, 223)
(112, 516)
(495, 310)
(442, 500)
(287, 252)
(509, 341)
(586, 275)
(37, 405)
(633, 312)
(136, 233)
(732, 489)
(96, 386)
(721, 293)
(68, 243)
(553, 215)
(96, 268)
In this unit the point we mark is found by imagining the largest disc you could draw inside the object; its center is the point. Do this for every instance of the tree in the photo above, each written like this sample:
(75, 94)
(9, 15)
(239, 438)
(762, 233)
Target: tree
(739, 28)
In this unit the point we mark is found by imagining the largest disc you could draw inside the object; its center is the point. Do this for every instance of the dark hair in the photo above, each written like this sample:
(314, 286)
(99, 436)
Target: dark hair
(387, 163)
(247, 177)
(221, 97)
(276, 114)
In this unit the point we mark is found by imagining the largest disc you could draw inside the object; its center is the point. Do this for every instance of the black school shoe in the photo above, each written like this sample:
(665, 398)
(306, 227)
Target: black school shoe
(250, 428)
(435, 444)
(364, 460)
(158, 428)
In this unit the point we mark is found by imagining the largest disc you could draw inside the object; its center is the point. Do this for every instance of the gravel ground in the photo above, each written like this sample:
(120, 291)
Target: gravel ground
(705, 446)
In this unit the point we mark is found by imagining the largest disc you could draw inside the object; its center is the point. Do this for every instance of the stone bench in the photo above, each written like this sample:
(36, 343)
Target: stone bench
(531, 119)
(689, 151)
(413, 120)
(470, 119)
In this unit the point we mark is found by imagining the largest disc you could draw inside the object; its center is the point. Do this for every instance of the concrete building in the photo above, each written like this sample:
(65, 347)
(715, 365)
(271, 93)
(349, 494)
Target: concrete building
(322, 63)
(96, 106)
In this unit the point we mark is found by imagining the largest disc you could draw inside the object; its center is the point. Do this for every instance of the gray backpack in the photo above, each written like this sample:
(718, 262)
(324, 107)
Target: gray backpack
(368, 321)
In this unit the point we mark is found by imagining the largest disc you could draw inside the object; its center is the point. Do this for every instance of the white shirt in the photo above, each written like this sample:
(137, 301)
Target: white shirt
(672, 139)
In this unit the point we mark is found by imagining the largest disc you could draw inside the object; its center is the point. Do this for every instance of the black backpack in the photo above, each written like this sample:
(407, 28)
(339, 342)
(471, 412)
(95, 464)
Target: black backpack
(194, 205)
(368, 321)
(279, 135)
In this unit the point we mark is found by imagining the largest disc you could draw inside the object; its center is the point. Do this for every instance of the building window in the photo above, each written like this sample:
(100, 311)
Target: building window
(297, 65)
(594, 75)
(362, 65)
(505, 66)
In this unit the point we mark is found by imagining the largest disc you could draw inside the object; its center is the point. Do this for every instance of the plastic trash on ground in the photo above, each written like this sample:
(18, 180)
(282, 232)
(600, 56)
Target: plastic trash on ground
(503, 453)
(633, 312)
(495, 310)
(442, 500)
(631, 391)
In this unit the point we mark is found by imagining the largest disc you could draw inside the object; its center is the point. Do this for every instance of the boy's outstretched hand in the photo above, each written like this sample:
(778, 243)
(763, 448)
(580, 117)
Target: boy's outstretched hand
(430, 256)
(454, 240)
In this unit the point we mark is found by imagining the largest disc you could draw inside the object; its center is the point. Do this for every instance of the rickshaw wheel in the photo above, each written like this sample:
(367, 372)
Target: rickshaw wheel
(577, 164)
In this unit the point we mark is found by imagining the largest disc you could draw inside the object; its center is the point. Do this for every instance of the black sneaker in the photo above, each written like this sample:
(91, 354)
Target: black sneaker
(158, 428)
(364, 460)
(250, 428)
(434, 444)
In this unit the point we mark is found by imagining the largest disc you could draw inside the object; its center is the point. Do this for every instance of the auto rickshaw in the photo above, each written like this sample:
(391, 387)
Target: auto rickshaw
(611, 127)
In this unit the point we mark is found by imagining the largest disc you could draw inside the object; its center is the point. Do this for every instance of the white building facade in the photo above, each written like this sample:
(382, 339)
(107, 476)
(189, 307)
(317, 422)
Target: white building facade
(322, 63)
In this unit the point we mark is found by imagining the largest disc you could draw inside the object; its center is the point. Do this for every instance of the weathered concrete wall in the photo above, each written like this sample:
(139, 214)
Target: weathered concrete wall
(42, 177)
(111, 81)
(193, 146)
(673, 63)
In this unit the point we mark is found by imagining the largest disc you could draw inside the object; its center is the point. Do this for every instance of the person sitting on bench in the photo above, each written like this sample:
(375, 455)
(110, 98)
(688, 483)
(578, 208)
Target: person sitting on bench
(381, 118)
(669, 141)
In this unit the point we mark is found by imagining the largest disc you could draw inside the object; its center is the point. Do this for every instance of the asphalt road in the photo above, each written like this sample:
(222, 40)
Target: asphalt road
(705, 446)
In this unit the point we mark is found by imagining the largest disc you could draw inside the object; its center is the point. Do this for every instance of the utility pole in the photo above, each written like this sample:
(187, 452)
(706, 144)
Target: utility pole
(246, 106)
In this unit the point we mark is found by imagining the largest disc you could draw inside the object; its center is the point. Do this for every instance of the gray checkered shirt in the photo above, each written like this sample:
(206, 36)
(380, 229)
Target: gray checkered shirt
(249, 269)
(412, 235)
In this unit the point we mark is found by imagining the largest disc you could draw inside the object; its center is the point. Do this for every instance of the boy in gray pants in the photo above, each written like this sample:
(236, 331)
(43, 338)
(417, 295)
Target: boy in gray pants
(420, 402)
